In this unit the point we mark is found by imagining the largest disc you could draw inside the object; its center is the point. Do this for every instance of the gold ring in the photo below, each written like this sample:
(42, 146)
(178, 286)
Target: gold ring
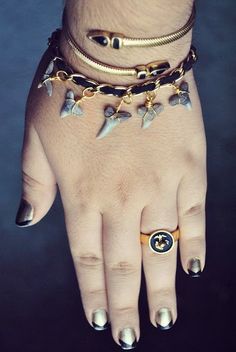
(160, 241)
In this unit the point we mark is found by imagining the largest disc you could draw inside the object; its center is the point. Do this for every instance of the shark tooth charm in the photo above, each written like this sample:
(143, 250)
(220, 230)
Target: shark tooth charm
(46, 81)
(113, 117)
(181, 96)
(149, 111)
(71, 107)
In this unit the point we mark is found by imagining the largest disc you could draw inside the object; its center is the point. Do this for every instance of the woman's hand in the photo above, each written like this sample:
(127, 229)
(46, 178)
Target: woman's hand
(131, 181)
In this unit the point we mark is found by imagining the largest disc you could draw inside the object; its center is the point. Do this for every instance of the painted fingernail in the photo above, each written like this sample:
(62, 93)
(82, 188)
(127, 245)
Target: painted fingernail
(100, 319)
(127, 339)
(24, 214)
(194, 267)
(164, 319)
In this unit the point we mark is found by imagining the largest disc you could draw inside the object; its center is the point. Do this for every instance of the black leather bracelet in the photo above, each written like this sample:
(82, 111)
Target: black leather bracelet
(118, 91)
(59, 70)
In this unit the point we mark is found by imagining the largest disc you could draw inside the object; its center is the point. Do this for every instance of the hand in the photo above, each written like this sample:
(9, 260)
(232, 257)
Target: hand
(132, 180)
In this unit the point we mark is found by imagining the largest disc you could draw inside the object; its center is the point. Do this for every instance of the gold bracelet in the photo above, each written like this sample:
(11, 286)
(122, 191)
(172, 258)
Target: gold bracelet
(140, 71)
(118, 40)
(58, 70)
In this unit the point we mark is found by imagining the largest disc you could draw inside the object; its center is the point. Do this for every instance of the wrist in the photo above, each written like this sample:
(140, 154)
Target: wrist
(151, 23)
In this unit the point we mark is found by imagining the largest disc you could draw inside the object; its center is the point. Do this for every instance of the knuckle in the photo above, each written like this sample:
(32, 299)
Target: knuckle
(196, 153)
(163, 260)
(128, 310)
(87, 260)
(83, 190)
(30, 182)
(164, 293)
(80, 193)
(195, 209)
(95, 293)
(123, 191)
(196, 241)
(190, 157)
(123, 268)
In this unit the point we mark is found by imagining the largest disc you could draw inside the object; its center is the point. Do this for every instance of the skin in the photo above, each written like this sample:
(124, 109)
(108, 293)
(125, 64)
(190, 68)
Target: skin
(132, 180)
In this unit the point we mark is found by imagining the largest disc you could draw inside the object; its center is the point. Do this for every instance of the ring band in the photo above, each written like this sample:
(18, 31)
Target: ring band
(160, 241)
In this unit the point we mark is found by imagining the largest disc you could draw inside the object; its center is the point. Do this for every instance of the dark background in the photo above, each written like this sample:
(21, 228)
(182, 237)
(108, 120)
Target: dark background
(40, 307)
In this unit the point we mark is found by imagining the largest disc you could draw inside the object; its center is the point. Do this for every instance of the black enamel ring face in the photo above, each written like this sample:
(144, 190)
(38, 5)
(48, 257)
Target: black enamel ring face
(161, 241)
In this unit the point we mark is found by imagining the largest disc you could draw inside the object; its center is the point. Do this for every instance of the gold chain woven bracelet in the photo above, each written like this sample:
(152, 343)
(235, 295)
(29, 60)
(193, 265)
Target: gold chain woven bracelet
(59, 71)
(141, 71)
(118, 40)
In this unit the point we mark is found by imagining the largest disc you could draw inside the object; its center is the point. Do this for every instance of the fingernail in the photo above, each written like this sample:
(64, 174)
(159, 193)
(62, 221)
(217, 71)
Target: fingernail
(100, 319)
(194, 267)
(127, 339)
(24, 214)
(164, 319)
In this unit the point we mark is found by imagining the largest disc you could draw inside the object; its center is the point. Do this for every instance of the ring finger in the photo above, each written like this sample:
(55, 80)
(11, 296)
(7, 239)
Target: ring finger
(160, 269)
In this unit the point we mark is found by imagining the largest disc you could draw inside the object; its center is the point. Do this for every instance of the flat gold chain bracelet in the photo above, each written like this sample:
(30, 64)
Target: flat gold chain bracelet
(118, 40)
(58, 70)
(140, 71)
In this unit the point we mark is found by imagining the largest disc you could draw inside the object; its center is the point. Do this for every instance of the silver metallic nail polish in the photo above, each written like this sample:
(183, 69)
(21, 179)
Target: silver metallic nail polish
(164, 319)
(194, 267)
(24, 214)
(100, 319)
(127, 339)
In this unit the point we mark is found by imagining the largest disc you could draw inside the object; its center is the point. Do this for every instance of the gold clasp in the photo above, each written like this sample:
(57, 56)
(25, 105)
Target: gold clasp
(62, 76)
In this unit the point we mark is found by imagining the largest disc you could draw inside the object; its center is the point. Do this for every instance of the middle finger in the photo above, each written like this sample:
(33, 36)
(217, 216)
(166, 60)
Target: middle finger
(122, 256)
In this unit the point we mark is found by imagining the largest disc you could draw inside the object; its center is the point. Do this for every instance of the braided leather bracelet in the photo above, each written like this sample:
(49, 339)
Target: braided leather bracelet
(59, 70)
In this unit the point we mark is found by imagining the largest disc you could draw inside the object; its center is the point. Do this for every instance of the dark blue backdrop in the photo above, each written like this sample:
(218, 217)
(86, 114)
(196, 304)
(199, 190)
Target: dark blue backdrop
(40, 308)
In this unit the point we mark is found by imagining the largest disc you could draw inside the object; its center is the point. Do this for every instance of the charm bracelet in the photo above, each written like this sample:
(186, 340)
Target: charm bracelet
(58, 70)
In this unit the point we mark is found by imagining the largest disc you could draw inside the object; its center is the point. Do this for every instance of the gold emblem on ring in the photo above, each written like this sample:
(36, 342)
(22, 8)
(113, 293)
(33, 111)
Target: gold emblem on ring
(161, 242)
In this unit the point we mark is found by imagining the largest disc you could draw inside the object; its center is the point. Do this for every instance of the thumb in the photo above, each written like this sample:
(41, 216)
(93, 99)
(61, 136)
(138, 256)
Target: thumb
(38, 181)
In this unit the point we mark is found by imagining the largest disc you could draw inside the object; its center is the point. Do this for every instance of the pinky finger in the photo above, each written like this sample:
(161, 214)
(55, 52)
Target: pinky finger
(191, 213)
